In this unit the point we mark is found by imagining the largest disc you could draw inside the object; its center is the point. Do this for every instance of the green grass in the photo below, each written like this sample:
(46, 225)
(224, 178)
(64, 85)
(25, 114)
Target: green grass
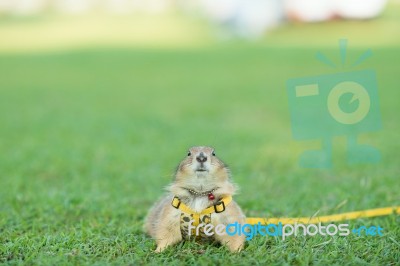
(89, 138)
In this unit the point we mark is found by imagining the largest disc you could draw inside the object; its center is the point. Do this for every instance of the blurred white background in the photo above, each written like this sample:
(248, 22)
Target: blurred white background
(244, 18)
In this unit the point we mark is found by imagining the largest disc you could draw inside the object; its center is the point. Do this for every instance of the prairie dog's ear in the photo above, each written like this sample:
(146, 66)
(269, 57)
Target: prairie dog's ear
(177, 168)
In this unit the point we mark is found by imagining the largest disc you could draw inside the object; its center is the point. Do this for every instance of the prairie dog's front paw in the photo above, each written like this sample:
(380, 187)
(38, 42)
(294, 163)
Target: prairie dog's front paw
(235, 247)
(161, 246)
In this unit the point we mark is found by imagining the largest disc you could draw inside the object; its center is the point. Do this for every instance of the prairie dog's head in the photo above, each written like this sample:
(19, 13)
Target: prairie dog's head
(201, 162)
(201, 171)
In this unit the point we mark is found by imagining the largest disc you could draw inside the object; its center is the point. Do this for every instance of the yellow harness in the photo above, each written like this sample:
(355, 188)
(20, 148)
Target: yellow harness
(204, 216)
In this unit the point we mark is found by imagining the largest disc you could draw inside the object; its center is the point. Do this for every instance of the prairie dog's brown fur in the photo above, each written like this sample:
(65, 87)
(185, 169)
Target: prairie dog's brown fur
(208, 173)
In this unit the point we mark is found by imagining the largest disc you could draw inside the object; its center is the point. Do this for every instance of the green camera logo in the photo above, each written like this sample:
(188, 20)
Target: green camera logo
(340, 104)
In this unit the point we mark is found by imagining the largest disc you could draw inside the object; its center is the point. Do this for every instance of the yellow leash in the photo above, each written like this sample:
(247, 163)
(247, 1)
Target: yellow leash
(328, 218)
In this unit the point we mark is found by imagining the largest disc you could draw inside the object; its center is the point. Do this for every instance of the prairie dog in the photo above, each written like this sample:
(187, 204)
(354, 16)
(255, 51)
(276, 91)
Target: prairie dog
(202, 182)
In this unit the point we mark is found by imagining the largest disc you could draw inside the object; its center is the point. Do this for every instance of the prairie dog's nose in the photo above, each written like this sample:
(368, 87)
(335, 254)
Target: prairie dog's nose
(201, 158)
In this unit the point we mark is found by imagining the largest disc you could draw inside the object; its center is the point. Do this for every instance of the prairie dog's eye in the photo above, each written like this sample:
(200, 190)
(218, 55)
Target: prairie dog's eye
(213, 153)
(189, 153)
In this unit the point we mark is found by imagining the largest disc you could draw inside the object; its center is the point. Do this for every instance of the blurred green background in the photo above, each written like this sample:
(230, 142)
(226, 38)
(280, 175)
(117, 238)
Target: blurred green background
(97, 110)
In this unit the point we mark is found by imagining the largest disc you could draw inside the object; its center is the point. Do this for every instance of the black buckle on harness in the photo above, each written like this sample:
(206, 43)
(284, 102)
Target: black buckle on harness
(219, 204)
(176, 202)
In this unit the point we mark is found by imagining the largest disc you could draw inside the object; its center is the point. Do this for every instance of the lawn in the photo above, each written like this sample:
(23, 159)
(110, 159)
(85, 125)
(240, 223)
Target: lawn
(90, 136)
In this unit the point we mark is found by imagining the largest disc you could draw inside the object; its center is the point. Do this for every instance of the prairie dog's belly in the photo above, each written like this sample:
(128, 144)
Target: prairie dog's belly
(199, 203)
